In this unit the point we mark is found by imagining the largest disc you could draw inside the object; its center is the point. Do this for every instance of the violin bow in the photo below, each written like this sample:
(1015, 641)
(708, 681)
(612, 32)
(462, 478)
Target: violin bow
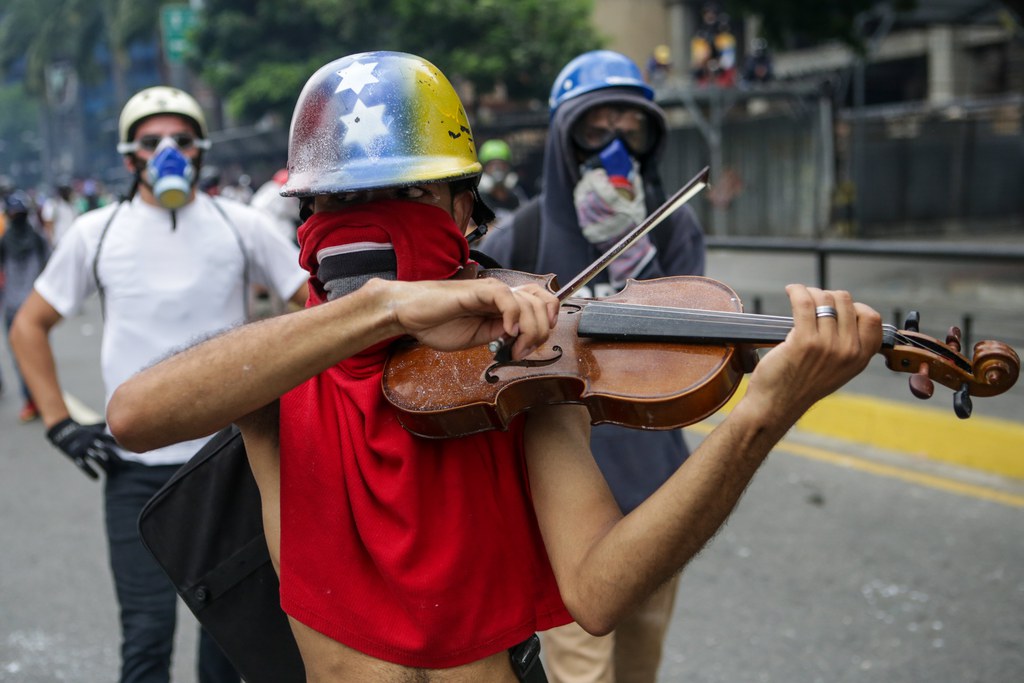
(502, 345)
(683, 195)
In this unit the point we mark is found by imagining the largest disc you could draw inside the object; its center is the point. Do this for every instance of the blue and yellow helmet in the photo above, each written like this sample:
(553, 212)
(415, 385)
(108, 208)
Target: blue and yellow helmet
(376, 120)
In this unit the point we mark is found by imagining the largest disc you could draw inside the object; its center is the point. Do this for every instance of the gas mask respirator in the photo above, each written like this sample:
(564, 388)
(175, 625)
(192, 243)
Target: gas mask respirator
(170, 173)
(609, 197)
(609, 201)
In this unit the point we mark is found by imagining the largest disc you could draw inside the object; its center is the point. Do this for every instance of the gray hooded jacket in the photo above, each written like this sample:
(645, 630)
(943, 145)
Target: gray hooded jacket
(634, 462)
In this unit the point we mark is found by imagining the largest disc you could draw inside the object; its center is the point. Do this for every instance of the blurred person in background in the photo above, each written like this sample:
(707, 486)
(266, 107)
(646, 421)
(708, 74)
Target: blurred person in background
(283, 211)
(209, 180)
(713, 49)
(59, 212)
(170, 265)
(23, 254)
(601, 179)
(725, 67)
(758, 66)
(659, 66)
(499, 183)
(5, 189)
(240, 190)
(91, 196)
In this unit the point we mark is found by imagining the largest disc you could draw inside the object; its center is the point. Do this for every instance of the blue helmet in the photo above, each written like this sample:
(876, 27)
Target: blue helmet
(16, 203)
(595, 70)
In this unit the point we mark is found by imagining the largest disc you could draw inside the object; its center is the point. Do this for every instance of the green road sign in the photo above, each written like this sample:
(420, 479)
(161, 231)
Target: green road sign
(175, 23)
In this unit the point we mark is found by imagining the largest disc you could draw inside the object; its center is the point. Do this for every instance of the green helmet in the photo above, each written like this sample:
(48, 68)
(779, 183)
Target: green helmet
(495, 149)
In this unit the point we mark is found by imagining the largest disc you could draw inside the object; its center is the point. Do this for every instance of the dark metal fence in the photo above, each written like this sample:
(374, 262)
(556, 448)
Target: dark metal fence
(954, 170)
(977, 258)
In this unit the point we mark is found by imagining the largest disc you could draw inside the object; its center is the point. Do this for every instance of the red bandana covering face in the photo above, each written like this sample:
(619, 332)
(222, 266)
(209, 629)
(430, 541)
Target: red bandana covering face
(426, 241)
(421, 552)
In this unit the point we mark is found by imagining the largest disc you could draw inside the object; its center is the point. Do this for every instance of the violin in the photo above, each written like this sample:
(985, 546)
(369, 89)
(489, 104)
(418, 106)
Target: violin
(660, 354)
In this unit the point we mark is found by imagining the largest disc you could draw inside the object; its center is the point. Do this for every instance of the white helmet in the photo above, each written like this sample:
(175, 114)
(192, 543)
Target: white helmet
(159, 99)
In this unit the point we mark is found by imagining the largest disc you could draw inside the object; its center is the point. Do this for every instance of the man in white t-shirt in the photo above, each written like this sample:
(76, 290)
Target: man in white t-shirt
(170, 266)
(58, 213)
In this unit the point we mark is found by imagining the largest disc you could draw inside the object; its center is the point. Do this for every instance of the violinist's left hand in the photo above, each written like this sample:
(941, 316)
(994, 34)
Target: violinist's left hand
(820, 354)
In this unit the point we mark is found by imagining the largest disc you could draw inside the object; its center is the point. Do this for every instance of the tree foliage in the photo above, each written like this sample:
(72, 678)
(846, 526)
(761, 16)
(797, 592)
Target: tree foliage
(788, 23)
(19, 118)
(258, 54)
(46, 32)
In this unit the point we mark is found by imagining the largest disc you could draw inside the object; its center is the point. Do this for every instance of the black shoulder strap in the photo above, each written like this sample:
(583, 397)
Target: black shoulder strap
(96, 257)
(483, 259)
(525, 227)
(227, 220)
(245, 254)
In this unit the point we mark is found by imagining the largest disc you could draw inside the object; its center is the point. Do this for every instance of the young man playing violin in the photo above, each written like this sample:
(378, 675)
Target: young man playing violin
(404, 558)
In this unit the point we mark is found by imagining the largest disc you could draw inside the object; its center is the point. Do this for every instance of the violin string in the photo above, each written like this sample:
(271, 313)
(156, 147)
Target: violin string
(748, 320)
(754, 319)
(698, 315)
(671, 310)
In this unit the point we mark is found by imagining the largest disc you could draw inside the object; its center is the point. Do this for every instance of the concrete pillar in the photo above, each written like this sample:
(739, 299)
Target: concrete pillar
(681, 28)
(944, 83)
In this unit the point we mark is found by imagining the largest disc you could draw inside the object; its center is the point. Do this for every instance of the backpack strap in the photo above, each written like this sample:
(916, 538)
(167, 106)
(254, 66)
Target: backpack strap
(227, 220)
(96, 258)
(245, 254)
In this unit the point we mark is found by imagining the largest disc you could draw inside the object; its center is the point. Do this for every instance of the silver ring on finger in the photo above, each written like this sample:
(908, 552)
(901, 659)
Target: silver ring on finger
(826, 312)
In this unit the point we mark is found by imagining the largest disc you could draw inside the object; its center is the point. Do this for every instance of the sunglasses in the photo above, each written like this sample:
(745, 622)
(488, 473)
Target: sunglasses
(595, 130)
(149, 143)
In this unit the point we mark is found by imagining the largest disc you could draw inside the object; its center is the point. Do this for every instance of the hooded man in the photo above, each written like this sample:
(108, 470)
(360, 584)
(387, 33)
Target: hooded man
(601, 180)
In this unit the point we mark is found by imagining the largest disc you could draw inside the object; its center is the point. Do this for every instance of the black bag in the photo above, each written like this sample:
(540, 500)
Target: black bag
(205, 528)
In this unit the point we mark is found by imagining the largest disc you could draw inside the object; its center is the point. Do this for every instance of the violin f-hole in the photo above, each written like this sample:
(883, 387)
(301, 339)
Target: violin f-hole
(529, 362)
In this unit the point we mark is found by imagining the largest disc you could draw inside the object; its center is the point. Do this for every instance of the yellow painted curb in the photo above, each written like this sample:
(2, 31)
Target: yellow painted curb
(986, 444)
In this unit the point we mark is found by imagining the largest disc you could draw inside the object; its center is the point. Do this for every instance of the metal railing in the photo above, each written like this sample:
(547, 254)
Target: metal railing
(824, 250)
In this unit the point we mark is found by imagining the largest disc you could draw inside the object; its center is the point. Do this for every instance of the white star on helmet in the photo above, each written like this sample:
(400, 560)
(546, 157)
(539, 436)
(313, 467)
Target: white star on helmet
(364, 124)
(357, 76)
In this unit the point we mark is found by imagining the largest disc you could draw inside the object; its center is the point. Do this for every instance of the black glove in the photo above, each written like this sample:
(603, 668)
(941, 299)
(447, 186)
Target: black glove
(84, 443)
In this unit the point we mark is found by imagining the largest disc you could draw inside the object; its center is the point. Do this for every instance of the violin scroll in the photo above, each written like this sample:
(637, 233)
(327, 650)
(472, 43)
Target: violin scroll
(993, 370)
(996, 365)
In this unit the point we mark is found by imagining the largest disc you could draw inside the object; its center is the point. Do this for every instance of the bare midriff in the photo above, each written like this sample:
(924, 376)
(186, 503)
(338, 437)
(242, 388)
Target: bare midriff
(328, 661)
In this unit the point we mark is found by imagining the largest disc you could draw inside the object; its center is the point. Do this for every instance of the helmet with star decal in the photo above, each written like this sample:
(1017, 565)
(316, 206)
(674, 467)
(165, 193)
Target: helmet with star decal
(377, 120)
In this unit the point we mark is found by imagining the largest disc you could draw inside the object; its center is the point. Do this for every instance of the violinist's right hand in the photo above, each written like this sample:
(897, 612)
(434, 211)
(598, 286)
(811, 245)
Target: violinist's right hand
(457, 314)
(820, 354)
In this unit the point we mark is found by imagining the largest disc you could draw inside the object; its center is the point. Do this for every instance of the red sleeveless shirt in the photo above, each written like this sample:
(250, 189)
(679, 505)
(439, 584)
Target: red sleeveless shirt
(425, 553)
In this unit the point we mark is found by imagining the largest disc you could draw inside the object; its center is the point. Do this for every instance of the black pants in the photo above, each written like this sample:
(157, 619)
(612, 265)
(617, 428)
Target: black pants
(146, 596)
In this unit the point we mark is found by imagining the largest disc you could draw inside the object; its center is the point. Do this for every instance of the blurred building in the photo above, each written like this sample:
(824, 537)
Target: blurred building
(918, 136)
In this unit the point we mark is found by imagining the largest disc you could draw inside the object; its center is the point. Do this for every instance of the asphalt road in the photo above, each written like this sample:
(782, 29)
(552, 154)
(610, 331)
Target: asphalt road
(878, 568)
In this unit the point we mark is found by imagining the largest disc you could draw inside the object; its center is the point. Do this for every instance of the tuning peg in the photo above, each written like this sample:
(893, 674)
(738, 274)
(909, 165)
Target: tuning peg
(912, 323)
(962, 405)
(921, 384)
(954, 339)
